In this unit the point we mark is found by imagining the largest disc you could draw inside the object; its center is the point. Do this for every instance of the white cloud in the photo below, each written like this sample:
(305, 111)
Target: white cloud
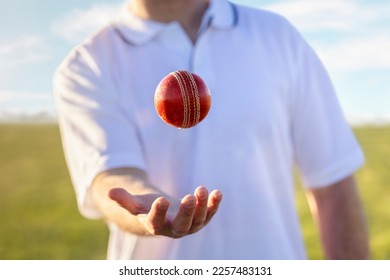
(356, 32)
(22, 50)
(313, 15)
(368, 120)
(21, 115)
(79, 24)
(18, 96)
(336, 15)
(354, 54)
(23, 42)
(16, 106)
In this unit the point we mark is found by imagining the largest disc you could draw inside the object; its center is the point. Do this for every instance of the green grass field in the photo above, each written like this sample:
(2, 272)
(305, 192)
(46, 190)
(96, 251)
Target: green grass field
(39, 217)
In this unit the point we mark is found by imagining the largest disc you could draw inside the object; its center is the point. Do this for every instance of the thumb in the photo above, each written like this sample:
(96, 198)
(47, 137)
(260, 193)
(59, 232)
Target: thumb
(127, 201)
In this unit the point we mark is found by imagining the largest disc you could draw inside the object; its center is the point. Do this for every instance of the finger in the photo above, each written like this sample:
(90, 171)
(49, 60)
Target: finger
(156, 219)
(127, 201)
(200, 214)
(215, 199)
(183, 220)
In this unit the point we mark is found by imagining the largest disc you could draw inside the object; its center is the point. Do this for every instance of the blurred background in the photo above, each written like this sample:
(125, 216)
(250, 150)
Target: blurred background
(39, 217)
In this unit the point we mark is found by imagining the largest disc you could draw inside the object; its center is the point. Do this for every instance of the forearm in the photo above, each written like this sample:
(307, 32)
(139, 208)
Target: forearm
(130, 179)
(341, 220)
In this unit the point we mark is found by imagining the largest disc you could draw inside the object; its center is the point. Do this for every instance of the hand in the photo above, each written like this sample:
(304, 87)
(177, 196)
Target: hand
(168, 216)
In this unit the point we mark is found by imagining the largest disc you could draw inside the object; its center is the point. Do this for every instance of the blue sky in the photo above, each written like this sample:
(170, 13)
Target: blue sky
(352, 38)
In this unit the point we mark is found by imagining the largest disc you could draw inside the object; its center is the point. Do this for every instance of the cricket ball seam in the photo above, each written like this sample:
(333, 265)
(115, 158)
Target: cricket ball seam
(195, 92)
(188, 87)
(184, 98)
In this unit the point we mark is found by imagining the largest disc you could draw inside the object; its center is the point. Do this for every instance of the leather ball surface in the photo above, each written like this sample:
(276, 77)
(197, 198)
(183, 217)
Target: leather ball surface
(182, 99)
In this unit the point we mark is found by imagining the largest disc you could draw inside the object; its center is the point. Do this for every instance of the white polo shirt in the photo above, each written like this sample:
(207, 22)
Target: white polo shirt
(273, 107)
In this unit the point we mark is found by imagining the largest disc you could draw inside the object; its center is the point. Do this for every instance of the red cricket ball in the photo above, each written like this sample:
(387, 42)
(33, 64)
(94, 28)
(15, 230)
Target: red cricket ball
(182, 99)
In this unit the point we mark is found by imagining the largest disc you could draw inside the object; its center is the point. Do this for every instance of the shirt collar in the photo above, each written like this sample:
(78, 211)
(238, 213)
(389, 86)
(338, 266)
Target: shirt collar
(220, 14)
(223, 14)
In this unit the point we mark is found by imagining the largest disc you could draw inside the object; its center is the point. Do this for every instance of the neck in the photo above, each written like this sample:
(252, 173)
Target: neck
(188, 13)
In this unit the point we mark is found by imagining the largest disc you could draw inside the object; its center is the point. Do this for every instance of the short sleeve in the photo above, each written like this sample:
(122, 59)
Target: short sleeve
(96, 133)
(326, 149)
